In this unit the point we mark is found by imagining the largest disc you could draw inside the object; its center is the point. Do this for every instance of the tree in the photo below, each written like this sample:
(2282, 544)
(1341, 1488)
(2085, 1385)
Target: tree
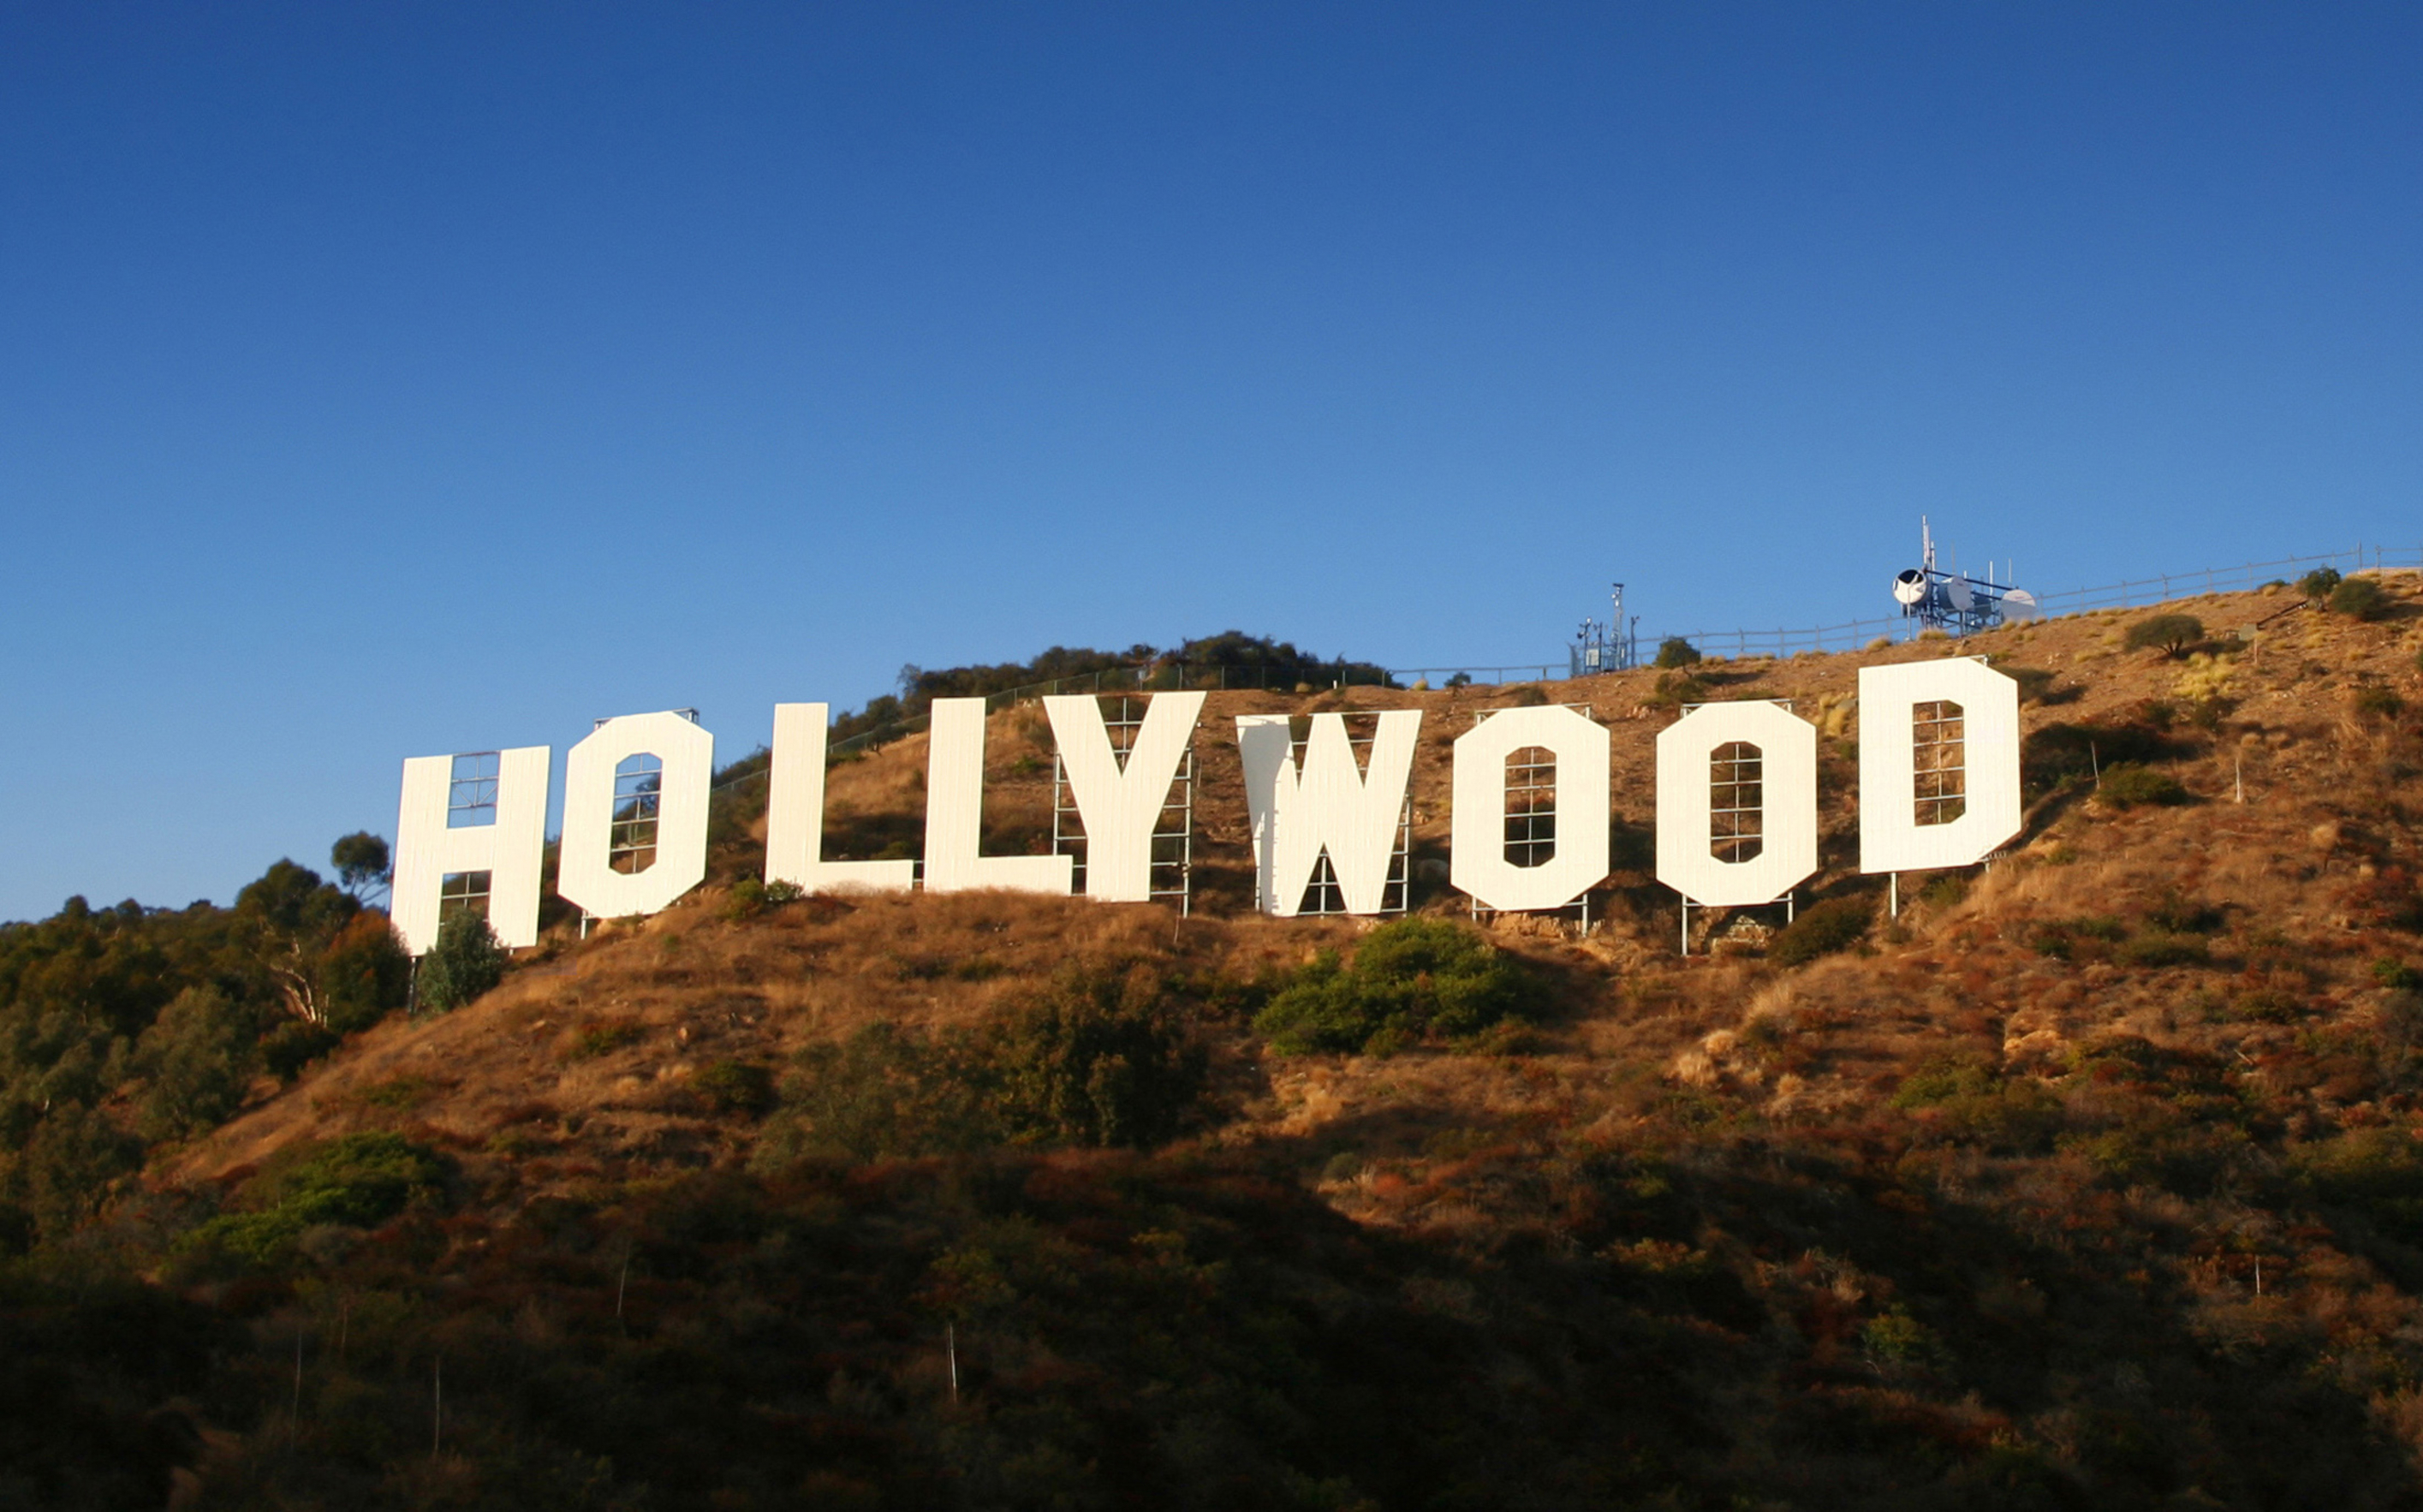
(466, 961)
(2316, 586)
(288, 916)
(364, 974)
(69, 1165)
(2169, 633)
(362, 861)
(1094, 1058)
(198, 1056)
(1674, 651)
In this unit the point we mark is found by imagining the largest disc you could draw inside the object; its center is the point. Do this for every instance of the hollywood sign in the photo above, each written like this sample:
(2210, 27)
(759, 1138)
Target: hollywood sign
(1323, 802)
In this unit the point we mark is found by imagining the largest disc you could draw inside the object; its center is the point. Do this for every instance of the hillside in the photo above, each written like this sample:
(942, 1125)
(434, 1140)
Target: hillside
(2094, 1179)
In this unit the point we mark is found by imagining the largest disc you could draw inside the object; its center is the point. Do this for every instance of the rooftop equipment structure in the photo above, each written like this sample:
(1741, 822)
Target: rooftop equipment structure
(1944, 598)
(1609, 648)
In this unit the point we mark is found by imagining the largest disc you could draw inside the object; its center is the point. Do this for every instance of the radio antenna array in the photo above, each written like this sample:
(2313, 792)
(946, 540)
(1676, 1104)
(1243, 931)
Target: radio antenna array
(1945, 598)
(1609, 648)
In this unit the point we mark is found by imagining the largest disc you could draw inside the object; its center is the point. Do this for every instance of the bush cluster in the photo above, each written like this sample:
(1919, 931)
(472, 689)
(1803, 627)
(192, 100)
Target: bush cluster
(1412, 982)
(2128, 784)
(1097, 1056)
(356, 1181)
(2061, 751)
(2362, 598)
(1837, 923)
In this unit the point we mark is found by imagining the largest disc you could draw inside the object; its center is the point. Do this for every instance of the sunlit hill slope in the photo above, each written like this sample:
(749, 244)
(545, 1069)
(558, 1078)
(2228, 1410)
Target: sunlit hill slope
(2094, 1179)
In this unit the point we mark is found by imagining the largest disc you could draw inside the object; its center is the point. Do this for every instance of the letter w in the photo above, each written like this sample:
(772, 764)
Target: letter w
(1328, 806)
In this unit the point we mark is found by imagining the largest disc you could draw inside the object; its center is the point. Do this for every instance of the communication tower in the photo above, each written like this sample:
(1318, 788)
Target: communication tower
(1944, 598)
(1608, 647)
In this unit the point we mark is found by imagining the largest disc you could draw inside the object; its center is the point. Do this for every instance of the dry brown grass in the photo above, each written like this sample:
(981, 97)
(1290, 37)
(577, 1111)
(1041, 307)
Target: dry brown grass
(577, 1065)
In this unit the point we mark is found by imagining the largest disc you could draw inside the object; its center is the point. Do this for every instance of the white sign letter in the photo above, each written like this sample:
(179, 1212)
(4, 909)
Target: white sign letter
(635, 815)
(485, 820)
(1939, 764)
(1736, 803)
(955, 814)
(1328, 807)
(1579, 861)
(795, 814)
(1121, 806)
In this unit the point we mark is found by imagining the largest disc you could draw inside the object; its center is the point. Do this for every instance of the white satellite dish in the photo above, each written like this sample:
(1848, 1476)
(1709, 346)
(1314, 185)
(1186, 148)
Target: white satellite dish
(1910, 586)
(1957, 589)
(2020, 604)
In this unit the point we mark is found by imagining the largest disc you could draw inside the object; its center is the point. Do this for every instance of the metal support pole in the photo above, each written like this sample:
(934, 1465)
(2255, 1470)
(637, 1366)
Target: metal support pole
(1893, 883)
(1686, 926)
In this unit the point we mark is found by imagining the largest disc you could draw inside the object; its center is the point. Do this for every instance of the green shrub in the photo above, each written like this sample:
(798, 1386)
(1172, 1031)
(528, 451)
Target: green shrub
(746, 898)
(2168, 634)
(2377, 1173)
(2359, 599)
(1094, 1058)
(2175, 912)
(2060, 751)
(2379, 701)
(1674, 651)
(2396, 974)
(880, 1091)
(1674, 688)
(2128, 784)
(1836, 924)
(2265, 1005)
(358, 1180)
(2060, 938)
(735, 1086)
(1941, 1080)
(603, 1036)
(1973, 1104)
(466, 961)
(2318, 584)
(1412, 981)
(1894, 1341)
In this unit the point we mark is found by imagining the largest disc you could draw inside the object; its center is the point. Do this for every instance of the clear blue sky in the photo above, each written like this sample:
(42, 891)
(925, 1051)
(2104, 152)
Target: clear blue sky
(378, 382)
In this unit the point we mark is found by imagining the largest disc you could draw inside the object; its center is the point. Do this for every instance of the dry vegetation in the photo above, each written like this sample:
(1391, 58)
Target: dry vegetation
(1971, 1213)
